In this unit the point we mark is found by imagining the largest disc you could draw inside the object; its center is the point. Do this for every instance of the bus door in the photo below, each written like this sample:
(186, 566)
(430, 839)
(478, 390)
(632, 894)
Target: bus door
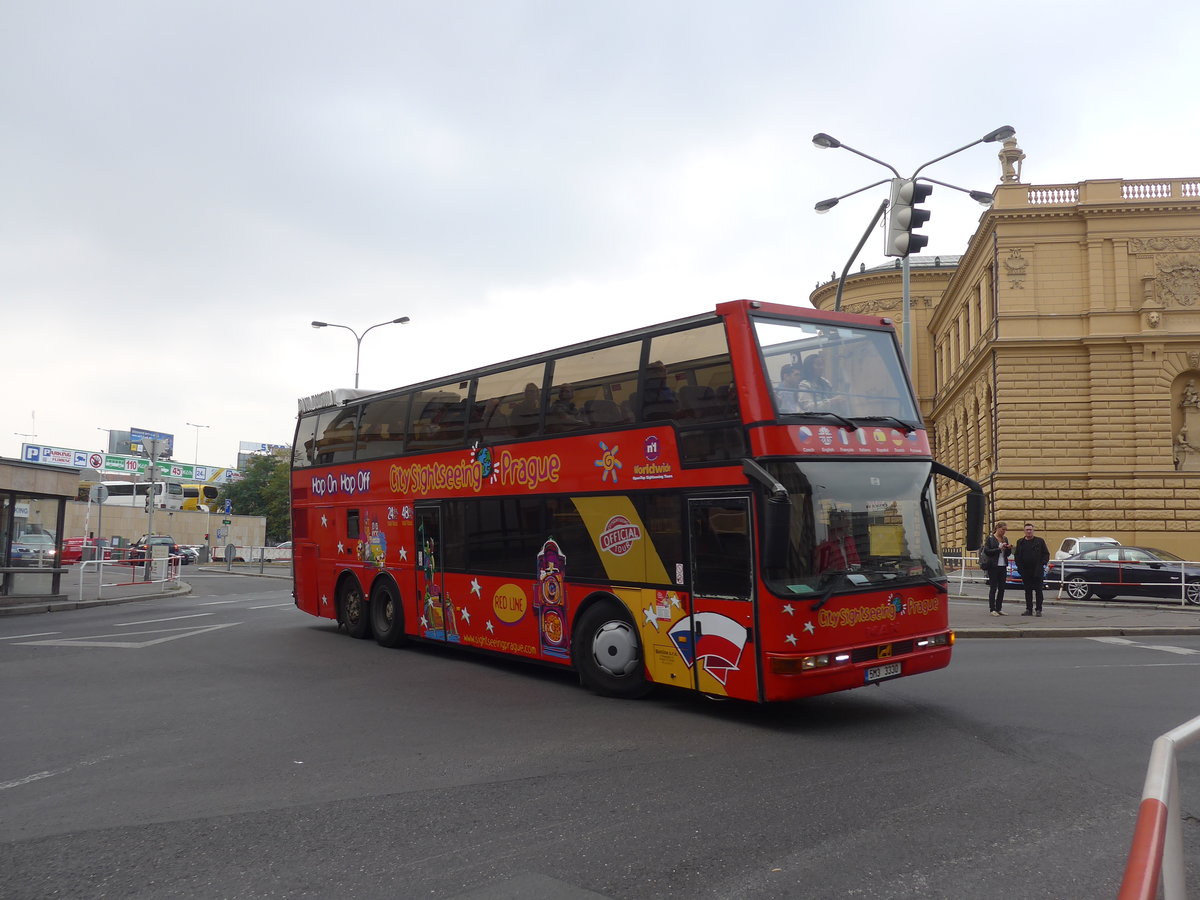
(312, 596)
(438, 620)
(719, 635)
(305, 555)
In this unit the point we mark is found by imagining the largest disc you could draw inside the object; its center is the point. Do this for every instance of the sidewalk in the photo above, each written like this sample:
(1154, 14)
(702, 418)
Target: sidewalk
(969, 617)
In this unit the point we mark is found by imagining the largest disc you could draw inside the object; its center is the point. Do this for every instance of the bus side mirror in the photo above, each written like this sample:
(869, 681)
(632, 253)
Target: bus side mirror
(777, 516)
(975, 503)
(975, 509)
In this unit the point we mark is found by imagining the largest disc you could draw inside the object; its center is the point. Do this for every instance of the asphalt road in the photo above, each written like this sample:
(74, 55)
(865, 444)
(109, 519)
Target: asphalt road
(223, 744)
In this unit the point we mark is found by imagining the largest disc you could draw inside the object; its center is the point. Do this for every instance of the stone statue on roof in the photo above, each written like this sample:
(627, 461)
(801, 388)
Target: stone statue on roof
(1011, 157)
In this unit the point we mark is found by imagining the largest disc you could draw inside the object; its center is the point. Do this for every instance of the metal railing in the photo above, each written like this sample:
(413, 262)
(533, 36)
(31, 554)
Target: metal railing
(164, 570)
(249, 556)
(965, 569)
(1156, 853)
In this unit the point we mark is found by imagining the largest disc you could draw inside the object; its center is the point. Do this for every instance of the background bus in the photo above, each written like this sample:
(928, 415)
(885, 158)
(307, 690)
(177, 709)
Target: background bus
(199, 496)
(168, 495)
(643, 508)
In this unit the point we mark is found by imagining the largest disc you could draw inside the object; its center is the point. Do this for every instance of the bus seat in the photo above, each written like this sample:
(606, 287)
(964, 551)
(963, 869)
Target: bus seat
(603, 412)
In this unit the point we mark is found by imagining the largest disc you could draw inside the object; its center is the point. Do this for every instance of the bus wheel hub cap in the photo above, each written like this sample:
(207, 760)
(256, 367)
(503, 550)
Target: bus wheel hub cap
(615, 648)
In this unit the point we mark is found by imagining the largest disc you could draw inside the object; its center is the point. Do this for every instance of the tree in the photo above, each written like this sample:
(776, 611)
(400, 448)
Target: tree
(265, 490)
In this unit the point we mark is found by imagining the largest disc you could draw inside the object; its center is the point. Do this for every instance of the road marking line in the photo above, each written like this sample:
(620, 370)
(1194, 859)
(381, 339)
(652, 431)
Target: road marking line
(156, 621)
(13, 637)
(95, 640)
(38, 776)
(274, 606)
(219, 602)
(1165, 648)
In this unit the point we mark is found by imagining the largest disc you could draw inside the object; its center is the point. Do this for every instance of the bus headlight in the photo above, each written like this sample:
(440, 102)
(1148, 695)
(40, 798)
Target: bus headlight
(938, 640)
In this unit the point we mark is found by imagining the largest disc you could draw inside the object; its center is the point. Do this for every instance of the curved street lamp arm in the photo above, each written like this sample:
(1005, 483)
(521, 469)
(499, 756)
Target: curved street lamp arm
(873, 159)
(826, 205)
(1000, 134)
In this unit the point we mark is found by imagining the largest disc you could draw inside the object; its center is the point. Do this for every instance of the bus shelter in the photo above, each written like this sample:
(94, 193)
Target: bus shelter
(33, 500)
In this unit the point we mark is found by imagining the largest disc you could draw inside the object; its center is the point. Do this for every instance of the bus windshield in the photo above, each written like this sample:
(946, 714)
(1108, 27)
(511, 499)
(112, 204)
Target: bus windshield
(856, 526)
(835, 370)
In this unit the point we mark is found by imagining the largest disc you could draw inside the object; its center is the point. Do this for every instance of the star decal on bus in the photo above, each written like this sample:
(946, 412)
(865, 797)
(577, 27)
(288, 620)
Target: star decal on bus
(476, 589)
(787, 608)
(491, 628)
(608, 462)
(466, 614)
(651, 615)
(324, 521)
(791, 639)
(810, 628)
(403, 554)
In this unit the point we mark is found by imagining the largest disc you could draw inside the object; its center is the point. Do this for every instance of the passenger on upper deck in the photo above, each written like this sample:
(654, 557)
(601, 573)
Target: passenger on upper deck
(813, 369)
(563, 415)
(658, 401)
(792, 393)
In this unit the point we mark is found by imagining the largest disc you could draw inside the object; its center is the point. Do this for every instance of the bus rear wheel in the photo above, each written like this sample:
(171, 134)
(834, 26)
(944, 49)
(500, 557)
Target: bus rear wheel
(608, 653)
(387, 616)
(352, 610)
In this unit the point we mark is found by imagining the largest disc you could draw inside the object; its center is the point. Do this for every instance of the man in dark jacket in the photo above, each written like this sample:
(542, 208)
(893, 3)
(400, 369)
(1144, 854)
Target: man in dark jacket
(1031, 556)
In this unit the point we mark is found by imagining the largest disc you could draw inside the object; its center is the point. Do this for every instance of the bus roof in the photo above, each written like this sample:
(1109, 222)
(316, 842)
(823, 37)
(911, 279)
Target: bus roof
(341, 396)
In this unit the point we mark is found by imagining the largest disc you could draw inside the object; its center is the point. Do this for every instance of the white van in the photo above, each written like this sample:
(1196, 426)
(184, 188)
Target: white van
(1072, 545)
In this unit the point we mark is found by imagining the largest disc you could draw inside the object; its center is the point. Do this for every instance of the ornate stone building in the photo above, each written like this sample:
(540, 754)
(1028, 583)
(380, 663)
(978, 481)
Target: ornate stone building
(1057, 361)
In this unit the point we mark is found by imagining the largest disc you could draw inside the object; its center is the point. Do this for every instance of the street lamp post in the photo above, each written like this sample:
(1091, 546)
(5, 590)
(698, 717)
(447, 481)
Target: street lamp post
(358, 338)
(827, 142)
(196, 458)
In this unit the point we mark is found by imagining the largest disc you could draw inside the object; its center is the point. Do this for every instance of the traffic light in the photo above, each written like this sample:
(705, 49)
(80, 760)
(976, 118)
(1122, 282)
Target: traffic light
(904, 217)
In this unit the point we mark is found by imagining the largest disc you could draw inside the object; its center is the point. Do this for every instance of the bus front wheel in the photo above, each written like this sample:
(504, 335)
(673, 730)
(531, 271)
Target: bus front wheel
(608, 653)
(352, 610)
(387, 616)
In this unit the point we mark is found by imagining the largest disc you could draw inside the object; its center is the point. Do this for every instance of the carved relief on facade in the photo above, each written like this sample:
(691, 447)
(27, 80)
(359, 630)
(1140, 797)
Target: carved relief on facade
(1179, 279)
(874, 307)
(1015, 265)
(1186, 444)
(890, 306)
(1163, 244)
(1153, 318)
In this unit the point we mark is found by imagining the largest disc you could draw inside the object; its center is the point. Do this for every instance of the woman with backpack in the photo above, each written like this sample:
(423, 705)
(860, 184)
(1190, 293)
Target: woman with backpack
(993, 558)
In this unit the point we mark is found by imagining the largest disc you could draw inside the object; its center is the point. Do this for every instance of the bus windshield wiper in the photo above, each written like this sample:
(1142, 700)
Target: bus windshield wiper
(834, 578)
(850, 424)
(908, 427)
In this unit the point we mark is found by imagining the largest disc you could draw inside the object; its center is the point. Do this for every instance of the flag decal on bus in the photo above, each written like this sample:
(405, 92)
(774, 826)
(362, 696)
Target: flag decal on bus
(719, 642)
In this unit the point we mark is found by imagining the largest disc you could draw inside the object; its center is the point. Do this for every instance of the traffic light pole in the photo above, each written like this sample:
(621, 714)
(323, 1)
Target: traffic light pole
(905, 306)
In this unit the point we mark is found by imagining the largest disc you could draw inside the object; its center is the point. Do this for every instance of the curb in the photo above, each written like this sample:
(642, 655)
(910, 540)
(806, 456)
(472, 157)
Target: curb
(48, 606)
(1076, 631)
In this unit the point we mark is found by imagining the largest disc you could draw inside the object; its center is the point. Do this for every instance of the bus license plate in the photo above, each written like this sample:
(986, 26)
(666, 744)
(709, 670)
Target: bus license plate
(891, 670)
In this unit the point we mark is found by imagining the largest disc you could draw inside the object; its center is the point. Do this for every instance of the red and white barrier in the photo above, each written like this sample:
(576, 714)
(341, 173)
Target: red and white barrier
(1157, 849)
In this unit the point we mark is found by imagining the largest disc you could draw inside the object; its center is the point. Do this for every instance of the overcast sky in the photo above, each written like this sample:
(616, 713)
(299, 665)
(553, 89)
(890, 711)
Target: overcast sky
(185, 186)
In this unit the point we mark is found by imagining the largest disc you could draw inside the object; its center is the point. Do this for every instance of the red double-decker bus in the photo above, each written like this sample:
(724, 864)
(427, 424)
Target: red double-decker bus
(673, 505)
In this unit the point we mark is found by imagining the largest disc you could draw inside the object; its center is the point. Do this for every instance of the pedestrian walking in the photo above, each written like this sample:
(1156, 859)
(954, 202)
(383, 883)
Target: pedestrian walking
(996, 550)
(1031, 556)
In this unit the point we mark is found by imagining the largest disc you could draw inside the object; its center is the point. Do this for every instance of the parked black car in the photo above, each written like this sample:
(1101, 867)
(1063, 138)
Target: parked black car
(1111, 572)
(138, 550)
